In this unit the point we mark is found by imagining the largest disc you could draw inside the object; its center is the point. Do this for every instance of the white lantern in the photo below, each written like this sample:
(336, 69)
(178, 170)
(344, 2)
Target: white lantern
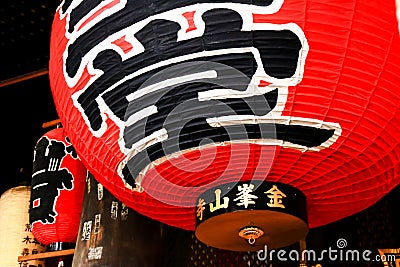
(398, 11)
(16, 238)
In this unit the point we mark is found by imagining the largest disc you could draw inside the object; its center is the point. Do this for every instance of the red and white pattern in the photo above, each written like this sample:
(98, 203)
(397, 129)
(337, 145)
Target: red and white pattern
(347, 79)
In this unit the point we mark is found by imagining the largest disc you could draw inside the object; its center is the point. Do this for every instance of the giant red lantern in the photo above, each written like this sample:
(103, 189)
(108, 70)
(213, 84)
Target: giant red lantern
(165, 101)
(58, 183)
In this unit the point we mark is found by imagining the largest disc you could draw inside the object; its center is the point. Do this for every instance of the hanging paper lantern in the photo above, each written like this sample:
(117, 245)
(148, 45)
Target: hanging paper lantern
(58, 183)
(165, 101)
(16, 238)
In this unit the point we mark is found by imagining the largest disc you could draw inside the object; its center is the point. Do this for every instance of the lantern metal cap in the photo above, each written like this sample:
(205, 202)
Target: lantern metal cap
(246, 216)
(57, 246)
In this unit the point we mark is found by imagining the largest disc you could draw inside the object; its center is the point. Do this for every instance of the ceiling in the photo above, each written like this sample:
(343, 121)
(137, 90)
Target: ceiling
(26, 100)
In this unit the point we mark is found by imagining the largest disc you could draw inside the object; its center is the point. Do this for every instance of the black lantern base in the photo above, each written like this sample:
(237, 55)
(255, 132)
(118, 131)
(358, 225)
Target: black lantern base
(246, 216)
(57, 246)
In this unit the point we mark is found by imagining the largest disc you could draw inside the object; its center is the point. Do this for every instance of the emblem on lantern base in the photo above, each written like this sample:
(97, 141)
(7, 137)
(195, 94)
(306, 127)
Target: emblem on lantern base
(246, 216)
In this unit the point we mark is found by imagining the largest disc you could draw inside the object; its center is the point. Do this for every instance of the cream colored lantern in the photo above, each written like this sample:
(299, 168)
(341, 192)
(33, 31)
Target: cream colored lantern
(398, 11)
(16, 238)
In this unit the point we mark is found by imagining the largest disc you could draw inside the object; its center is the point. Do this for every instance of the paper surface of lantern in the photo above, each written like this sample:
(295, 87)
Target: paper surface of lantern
(16, 238)
(58, 183)
(304, 93)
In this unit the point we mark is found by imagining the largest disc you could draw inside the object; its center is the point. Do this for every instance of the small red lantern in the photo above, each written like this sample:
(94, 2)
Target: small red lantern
(58, 183)
(165, 101)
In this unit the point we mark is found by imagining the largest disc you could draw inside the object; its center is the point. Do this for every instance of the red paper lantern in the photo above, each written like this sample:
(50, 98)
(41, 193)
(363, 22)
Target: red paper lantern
(58, 184)
(140, 87)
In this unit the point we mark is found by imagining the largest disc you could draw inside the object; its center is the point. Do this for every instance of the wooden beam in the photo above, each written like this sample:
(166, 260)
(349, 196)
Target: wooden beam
(44, 255)
(50, 123)
(24, 77)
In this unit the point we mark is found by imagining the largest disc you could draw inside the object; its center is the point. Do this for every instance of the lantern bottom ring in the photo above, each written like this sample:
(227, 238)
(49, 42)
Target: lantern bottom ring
(57, 246)
(258, 212)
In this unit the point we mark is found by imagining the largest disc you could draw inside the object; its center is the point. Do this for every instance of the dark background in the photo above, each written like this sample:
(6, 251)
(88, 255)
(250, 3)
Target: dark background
(26, 103)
